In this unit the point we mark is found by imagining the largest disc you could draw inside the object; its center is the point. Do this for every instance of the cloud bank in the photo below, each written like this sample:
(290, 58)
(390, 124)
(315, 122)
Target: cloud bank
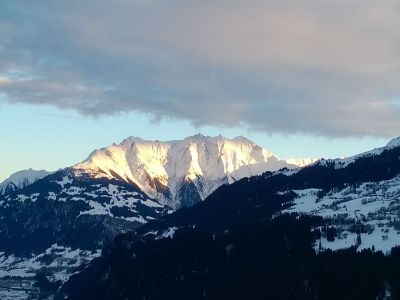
(315, 67)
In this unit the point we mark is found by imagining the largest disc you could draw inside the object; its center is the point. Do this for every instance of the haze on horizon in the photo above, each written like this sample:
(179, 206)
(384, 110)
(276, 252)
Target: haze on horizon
(302, 79)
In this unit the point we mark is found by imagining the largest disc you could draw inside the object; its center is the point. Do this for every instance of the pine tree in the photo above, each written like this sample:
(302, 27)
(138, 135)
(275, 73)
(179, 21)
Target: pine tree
(358, 242)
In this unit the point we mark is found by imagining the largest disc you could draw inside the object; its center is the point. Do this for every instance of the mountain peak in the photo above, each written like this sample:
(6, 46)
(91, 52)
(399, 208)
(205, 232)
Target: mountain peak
(241, 138)
(198, 136)
(132, 140)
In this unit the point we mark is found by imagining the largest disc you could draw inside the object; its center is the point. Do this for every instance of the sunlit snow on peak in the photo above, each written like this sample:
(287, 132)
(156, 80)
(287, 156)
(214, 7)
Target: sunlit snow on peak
(161, 168)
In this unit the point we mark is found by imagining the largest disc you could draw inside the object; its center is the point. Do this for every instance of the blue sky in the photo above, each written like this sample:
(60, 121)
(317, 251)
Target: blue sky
(303, 78)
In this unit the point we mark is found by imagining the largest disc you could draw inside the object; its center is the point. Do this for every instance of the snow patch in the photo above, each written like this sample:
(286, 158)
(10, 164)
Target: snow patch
(65, 180)
(169, 233)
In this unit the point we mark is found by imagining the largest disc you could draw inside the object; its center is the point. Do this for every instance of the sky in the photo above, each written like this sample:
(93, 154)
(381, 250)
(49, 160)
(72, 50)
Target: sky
(300, 78)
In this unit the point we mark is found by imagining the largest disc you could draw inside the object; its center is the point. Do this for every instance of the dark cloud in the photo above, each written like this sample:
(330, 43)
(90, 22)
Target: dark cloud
(323, 68)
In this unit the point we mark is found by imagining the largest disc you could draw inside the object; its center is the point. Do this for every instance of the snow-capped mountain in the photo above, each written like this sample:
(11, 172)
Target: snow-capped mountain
(21, 179)
(180, 173)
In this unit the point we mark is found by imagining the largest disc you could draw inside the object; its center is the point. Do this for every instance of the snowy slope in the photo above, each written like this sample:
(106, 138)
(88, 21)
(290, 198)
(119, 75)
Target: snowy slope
(364, 213)
(61, 222)
(301, 162)
(92, 197)
(344, 162)
(373, 205)
(21, 179)
(180, 173)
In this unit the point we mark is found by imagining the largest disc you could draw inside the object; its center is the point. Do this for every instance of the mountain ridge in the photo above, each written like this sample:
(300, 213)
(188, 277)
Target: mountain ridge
(167, 170)
(21, 179)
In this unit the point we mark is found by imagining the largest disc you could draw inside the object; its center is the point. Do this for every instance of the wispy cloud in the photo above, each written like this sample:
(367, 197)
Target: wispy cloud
(314, 67)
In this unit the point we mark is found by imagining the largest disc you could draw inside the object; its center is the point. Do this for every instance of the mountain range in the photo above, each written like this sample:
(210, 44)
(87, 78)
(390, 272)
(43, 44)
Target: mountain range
(181, 173)
(69, 215)
(149, 192)
(176, 173)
